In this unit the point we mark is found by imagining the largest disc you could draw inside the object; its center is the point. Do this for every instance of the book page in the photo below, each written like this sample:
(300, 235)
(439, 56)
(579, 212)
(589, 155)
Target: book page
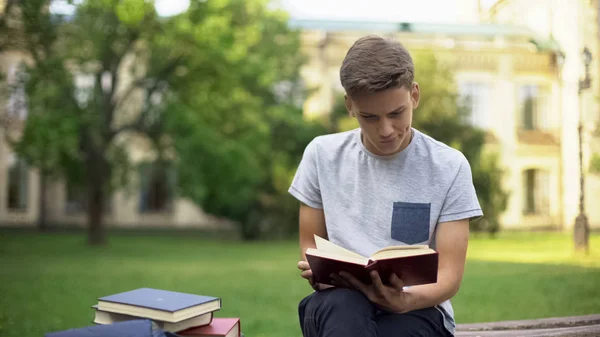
(400, 251)
(337, 256)
(327, 246)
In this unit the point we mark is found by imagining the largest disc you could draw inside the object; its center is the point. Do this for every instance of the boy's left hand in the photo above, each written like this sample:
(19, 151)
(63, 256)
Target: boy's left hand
(390, 298)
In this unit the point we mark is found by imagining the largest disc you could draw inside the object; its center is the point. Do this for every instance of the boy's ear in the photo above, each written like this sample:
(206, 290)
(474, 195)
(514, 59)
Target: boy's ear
(348, 102)
(415, 94)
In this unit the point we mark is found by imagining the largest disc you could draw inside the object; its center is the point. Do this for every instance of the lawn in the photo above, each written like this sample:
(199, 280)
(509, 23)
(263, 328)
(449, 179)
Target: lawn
(49, 282)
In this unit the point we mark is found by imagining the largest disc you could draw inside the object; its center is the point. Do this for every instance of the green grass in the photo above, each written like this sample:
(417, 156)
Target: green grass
(49, 282)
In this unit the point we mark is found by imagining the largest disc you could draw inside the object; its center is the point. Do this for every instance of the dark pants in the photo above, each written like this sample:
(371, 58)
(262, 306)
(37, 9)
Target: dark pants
(337, 312)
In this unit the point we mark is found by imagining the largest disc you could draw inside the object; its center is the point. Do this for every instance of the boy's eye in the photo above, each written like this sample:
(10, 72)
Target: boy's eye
(369, 116)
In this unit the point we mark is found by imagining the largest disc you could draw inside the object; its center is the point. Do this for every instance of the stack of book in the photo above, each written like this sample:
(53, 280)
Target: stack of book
(179, 313)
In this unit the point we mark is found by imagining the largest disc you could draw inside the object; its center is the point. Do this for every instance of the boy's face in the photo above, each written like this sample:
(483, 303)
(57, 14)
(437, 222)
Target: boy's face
(385, 118)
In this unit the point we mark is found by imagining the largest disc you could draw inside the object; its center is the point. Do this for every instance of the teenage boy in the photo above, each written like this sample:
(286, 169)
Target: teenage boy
(384, 183)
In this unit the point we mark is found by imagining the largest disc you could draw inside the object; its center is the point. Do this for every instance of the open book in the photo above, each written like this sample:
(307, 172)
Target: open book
(413, 264)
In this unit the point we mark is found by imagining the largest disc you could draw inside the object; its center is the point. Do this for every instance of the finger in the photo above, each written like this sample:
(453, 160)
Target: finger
(303, 265)
(378, 287)
(306, 274)
(356, 283)
(396, 282)
(339, 281)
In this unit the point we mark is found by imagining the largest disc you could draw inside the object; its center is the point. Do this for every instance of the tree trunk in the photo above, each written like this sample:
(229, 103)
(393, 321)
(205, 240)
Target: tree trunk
(42, 216)
(250, 227)
(95, 211)
(97, 172)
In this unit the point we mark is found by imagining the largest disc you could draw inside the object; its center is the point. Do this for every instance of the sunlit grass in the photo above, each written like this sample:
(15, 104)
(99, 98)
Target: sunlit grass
(49, 282)
(546, 248)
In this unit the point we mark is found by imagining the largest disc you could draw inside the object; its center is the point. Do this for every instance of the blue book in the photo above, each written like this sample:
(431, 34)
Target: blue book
(162, 305)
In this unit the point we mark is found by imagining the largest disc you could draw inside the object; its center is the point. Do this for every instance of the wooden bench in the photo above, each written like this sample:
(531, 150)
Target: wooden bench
(574, 326)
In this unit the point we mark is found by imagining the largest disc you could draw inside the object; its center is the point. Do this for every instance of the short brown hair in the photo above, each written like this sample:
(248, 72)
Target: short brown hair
(375, 64)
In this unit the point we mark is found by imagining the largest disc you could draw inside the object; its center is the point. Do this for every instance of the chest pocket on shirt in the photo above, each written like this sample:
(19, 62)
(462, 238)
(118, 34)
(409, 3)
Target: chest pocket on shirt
(410, 222)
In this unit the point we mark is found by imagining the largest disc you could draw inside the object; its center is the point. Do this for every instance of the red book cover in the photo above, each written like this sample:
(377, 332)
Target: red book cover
(228, 327)
(412, 270)
(414, 265)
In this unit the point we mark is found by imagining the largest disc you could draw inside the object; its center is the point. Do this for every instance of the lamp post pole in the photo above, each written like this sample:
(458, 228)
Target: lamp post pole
(582, 228)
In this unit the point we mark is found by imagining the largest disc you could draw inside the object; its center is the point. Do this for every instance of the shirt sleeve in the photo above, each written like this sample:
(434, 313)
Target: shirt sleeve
(305, 185)
(461, 200)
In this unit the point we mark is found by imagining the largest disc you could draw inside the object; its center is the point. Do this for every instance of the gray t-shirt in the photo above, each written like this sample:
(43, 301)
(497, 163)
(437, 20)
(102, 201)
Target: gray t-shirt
(372, 201)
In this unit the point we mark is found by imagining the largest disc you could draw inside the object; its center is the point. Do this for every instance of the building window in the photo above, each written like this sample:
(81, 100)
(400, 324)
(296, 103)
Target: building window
(77, 197)
(76, 200)
(156, 188)
(476, 98)
(17, 102)
(536, 185)
(533, 107)
(18, 183)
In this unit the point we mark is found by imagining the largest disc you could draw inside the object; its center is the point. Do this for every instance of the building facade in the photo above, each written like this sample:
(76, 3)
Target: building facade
(521, 74)
(574, 25)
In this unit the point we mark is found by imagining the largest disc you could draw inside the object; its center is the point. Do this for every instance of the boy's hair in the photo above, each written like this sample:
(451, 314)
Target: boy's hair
(375, 64)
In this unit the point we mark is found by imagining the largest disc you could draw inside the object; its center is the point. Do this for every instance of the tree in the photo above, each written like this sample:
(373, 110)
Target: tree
(203, 87)
(70, 131)
(441, 115)
(238, 129)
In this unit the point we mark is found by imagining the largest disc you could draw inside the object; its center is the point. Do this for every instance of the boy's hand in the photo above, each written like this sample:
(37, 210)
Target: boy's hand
(307, 274)
(391, 298)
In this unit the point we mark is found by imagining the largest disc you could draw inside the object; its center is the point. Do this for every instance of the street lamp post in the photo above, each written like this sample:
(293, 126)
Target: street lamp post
(582, 228)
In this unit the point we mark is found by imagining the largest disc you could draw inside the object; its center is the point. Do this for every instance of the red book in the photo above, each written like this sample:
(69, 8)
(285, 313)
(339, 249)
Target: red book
(413, 264)
(227, 327)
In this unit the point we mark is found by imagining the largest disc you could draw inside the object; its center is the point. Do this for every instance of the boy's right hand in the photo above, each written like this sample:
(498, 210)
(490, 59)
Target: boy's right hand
(307, 274)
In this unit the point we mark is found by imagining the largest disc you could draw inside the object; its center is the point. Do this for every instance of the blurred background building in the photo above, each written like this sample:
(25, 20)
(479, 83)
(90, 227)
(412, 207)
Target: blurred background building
(519, 62)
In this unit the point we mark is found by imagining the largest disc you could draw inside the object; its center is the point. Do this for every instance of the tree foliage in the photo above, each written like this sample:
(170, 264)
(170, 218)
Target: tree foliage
(214, 89)
(73, 83)
(237, 128)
